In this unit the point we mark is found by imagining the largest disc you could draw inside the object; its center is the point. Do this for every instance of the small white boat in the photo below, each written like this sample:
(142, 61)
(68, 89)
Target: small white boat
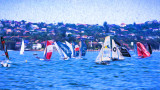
(22, 48)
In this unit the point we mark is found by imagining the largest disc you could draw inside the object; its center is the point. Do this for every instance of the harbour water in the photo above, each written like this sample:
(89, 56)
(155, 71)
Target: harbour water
(27, 72)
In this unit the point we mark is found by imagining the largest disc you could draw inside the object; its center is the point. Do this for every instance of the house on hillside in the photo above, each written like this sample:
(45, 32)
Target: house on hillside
(122, 25)
(37, 46)
(8, 31)
(67, 33)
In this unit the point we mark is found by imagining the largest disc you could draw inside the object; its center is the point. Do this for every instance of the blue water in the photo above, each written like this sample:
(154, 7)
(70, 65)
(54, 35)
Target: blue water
(132, 73)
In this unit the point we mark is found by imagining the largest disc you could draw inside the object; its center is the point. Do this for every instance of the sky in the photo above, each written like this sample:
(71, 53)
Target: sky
(81, 11)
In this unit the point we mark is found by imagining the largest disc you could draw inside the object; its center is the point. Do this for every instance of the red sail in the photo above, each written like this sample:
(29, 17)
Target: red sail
(142, 51)
(49, 50)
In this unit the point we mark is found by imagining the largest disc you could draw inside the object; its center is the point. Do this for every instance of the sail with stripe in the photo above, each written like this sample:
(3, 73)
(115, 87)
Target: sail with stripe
(48, 50)
(65, 50)
(22, 48)
(71, 48)
(59, 50)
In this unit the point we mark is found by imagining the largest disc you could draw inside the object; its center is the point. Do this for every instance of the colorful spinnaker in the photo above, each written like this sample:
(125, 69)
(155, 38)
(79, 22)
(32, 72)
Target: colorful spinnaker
(142, 51)
(48, 50)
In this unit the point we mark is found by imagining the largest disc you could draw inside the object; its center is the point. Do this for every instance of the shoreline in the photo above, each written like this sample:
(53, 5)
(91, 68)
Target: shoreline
(88, 50)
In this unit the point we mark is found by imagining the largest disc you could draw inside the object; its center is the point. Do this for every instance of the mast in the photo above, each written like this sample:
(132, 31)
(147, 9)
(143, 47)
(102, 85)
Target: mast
(80, 49)
(44, 55)
(102, 53)
(73, 46)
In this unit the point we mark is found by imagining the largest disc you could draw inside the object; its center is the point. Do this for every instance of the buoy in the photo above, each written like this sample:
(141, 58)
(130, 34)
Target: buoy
(26, 61)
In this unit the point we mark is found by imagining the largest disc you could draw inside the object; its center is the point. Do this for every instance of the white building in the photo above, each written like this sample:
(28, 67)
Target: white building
(37, 46)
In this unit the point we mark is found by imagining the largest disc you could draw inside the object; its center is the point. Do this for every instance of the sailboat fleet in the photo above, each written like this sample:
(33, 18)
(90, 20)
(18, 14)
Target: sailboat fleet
(111, 51)
(66, 50)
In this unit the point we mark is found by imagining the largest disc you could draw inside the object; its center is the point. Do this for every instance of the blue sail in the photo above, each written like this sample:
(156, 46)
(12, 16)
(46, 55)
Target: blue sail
(65, 48)
(83, 48)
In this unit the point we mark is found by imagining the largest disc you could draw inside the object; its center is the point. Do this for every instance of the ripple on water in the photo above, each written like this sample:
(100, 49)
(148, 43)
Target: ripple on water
(132, 73)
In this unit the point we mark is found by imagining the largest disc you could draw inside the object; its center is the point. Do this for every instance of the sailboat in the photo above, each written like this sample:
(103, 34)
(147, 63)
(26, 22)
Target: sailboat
(82, 49)
(71, 48)
(125, 52)
(63, 50)
(48, 51)
(142, 51)
(149, 48)
(22, 48)
(109, 52)
(75, 50)
(123, 49)
(6, 62)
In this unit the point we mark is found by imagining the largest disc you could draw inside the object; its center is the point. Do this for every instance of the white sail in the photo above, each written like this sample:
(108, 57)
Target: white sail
(70, 47)
(58, 49)
(114, 50)
(105, 53)
(22, 48)
(116, 54)
(44, 52)
(99, 57)
(65, 56)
